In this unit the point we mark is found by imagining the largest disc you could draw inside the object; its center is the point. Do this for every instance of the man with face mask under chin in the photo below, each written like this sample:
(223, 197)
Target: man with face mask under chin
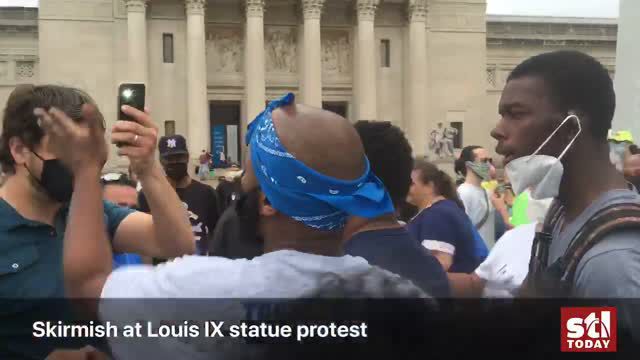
(556, 109)
(199, 200)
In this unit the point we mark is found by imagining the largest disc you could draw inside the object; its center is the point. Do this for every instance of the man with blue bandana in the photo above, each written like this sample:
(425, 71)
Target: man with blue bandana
(312, 172)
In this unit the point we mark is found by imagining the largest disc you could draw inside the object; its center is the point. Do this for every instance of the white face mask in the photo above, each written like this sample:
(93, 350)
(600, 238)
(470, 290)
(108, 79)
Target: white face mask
(540, 173)
(537, 209)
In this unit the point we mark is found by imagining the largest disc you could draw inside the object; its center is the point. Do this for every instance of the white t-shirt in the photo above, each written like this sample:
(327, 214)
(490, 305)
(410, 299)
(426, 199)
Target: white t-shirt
(476, 204)
(508, 262)
(276, 275)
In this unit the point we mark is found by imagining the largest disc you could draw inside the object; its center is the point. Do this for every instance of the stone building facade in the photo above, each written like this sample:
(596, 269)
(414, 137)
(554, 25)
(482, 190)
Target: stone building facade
(433, 67)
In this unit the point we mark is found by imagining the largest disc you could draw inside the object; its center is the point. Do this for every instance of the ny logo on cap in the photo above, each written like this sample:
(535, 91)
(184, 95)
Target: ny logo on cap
(171, 143)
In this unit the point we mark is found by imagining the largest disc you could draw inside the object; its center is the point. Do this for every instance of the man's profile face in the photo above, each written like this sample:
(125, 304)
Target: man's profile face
(121, 195)
(527, 118)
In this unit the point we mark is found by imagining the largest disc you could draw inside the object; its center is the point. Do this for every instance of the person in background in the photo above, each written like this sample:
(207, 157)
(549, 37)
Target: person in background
(120, 190)
(203, 167)
(632, 168)
(406, 211)
(502, 201)
(442, 225)
(501, 274)
(632, 171)
(34, 209)
(236, 235)
(383, 241)
(474, 165)
(228, 189)
(619, 143)
(199, 200)
(311, 168)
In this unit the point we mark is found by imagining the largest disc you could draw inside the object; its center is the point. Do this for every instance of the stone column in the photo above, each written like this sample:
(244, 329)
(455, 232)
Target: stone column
(254, 59)
(312, 55)
(11, 70)
(627, 76)
(137, 39)
(367, 55)
(197, 105)
(417, 76)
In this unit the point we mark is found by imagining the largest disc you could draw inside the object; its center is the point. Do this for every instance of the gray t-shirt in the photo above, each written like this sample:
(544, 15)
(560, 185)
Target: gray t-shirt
(611, 269)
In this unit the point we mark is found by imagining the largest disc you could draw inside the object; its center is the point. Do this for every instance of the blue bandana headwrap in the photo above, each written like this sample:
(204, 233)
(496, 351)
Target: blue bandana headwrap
(307, 196)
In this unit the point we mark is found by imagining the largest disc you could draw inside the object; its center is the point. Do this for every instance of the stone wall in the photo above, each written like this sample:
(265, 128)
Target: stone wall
(84, 44)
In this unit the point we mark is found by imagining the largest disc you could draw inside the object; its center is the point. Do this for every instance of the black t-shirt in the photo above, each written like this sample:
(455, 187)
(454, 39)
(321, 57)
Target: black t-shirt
(236, 235)
(202, 204)
(396, 251)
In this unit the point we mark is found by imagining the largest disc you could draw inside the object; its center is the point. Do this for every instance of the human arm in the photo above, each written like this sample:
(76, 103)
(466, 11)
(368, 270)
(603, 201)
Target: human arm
(435, 231)
(86, 251)
(445, 259)
(166, 232)
(466, 285)
(500, 205)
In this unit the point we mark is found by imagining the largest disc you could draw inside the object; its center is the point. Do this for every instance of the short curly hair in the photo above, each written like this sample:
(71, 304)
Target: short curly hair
(19, 121)
(390, 155)
(575, 82)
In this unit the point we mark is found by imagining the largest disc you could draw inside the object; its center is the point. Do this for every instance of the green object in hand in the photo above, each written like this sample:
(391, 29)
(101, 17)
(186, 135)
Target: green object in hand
(520, 205)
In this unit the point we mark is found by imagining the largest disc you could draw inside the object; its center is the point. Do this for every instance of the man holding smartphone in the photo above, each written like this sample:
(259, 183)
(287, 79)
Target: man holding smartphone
(34, 205)
(198, 199)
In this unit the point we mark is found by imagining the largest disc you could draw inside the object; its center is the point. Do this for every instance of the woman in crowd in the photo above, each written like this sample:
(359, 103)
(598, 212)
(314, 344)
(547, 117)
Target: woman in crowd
(442, 225)
(475, 166)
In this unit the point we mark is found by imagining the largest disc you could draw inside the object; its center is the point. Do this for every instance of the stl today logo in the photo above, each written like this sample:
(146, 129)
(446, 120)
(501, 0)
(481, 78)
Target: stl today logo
(588, 329)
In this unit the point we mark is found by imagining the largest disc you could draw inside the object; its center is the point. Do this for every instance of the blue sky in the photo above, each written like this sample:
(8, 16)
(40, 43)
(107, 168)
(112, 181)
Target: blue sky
(570, 8)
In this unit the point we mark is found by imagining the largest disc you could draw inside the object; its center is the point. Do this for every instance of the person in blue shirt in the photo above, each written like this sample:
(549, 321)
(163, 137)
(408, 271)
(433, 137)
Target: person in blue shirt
(34, 205)
(442, 226)
(119, 189)
(383, 241)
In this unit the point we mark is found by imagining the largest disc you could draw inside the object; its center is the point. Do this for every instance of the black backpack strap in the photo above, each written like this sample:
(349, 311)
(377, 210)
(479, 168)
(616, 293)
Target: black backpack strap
(612, 218)
(540, 252)
(542, 240)
(486, 213)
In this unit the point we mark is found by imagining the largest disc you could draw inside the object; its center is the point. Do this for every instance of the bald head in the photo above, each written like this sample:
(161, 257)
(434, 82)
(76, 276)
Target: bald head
(322, 140)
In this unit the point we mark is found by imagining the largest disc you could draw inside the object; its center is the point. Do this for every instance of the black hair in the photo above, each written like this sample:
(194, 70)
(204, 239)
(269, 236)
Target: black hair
(442, 182)
(633, 149)
(19, 121)
(576, 82)
(467, 154)
(390, 155)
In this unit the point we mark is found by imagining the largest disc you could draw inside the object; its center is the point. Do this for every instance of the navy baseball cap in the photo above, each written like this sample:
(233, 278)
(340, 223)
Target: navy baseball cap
(172, 145)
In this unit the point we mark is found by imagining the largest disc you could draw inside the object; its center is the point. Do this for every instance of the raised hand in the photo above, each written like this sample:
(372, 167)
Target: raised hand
(137, 140)
(78, 145)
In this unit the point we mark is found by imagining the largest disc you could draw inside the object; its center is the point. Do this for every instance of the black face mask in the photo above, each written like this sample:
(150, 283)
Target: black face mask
(176, 171)
(55, 179)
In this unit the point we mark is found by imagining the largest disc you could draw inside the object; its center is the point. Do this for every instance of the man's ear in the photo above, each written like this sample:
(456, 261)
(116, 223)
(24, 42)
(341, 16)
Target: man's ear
(19, 150)
(265, 206)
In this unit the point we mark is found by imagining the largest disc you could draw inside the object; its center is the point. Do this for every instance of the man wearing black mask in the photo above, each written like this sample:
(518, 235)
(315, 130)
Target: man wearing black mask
(34, 207)
(198, 199)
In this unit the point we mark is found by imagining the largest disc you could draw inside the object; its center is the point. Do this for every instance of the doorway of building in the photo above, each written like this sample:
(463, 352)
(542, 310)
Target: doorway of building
(338, 107)
(225, 132)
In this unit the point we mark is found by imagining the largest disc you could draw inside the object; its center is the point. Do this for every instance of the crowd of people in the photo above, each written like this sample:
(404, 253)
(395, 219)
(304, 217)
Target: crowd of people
(323, 208)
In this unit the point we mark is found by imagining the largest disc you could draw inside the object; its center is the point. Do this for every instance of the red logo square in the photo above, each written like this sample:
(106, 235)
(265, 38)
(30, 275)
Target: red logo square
(588, 329)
